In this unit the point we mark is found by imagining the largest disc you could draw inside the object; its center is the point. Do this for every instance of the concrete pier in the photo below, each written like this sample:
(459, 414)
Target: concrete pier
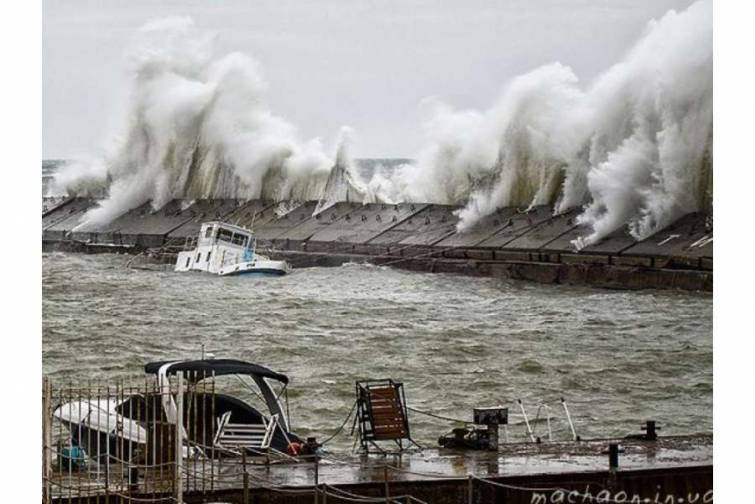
(524, 244)
(675, 469)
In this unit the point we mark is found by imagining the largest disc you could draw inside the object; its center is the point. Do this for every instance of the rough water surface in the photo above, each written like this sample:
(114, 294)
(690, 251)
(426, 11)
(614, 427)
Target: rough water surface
(456, 342)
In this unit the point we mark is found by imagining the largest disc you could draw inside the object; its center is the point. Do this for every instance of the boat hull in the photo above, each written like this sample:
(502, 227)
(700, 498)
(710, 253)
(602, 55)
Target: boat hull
(257, 267)
(101, 446)
(259, 271)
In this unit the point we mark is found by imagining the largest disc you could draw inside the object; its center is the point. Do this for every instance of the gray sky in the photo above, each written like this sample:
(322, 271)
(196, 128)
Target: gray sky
(366, 64)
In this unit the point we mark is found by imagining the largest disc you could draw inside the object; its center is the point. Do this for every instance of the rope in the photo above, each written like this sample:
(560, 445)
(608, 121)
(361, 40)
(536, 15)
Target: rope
(357, 497)
(269, 485)
(364, 498)
(130, 498)
(426, 474)
(113, 492)
(440, 417)
(546, 489)
(340, 428)
(515, 487)
(334, 491)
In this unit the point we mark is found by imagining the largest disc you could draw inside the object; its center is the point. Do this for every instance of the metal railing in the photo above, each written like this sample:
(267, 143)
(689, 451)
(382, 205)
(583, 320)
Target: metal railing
(114, 441)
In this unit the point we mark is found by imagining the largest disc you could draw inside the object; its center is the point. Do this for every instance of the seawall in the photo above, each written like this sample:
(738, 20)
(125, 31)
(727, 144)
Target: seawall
(513, 243)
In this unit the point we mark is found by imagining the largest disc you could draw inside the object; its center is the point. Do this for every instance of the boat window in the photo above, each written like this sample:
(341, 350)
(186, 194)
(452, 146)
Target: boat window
(225, 235)
(188, 259)
(208, 233)
(199, 256)
(238, 239)
(208, 256)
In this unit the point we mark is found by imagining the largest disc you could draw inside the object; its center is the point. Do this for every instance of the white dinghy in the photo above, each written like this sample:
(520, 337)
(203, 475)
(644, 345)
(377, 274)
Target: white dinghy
(225, 250)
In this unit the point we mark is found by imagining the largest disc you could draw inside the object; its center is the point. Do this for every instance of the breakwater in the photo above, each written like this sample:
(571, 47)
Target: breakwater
(530, 244)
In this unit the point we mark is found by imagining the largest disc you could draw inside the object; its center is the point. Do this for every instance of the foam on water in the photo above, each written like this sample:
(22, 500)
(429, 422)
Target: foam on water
(456, 342)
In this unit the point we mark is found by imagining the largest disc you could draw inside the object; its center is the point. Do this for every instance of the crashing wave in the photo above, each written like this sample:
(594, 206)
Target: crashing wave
(633, 149)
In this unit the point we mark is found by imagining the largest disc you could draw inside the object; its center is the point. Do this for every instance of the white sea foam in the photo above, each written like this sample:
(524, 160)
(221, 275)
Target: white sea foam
(197, 127)
(632, 149)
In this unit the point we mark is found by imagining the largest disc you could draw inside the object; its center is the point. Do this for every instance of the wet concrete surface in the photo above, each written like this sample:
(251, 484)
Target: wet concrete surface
(517, 225)
(543, 235)
(510, 459)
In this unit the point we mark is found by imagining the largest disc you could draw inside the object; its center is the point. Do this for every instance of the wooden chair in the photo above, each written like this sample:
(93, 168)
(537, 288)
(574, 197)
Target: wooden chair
(382, 414)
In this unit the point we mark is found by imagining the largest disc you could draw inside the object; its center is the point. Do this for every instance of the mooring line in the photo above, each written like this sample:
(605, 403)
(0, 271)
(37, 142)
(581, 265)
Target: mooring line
(340, 428)
(440, 417)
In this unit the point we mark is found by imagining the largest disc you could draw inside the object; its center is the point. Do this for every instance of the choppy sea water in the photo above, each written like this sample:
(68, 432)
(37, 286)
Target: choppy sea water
(456, 342)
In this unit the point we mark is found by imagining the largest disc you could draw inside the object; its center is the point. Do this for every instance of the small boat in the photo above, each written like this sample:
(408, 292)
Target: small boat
(227, 250)
(128, 426)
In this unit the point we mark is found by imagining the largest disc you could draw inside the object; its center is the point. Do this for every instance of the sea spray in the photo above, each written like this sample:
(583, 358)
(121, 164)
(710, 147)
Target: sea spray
(634, 148)
(652, 142)
(197, 127)
(343, 183)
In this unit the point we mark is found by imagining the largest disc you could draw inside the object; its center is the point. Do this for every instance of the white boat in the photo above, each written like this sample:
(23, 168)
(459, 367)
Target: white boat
(224, 249)
(122, 426)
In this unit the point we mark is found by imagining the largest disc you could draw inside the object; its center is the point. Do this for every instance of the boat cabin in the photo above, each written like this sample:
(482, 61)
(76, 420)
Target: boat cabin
(219, 244)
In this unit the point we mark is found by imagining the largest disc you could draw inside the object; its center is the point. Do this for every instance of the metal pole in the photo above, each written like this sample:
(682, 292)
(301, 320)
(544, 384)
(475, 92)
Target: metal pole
(107, 447)
(526, 420)
(548, 420)
(246, 487)
(387, 489)
(613, 456)
(317, 479)
(246, 478)
(568, 418)
(470, 490)
(46, 438)
(179, 439)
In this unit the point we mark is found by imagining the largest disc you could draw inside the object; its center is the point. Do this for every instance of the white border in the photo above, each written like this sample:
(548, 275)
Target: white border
(20, 144)
(734, 303)
(20, 131)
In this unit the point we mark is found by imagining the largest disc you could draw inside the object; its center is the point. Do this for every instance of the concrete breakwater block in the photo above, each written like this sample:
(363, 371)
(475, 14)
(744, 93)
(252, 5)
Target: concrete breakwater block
(285, 216)
(142, 226)
(612, 244)
(427, 227)
(691, 237)
(58, 222)
(542, 235)
(516, 225)
(362, 225)
(50, 203)
(481, 230)
(330, 216)
(202, 211)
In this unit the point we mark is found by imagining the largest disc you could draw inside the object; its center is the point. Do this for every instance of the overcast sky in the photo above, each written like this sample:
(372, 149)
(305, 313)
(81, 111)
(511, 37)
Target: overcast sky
(366, 64)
